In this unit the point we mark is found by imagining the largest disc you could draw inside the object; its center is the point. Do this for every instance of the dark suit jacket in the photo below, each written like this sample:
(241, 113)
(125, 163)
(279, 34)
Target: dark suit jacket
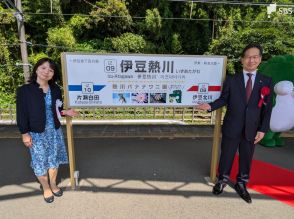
(241, 117)
(30, 107)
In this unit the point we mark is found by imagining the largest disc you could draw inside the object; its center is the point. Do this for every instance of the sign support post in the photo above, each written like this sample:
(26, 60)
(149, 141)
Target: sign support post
(71, 151)
(215, 145)
(69, 127)
(216, 136)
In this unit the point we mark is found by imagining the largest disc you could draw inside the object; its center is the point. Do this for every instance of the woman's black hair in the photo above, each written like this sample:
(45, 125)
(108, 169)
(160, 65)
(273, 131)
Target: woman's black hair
(52, 65)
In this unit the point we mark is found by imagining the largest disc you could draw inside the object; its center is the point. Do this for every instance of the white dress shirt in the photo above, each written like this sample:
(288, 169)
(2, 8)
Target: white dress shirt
(246, 77)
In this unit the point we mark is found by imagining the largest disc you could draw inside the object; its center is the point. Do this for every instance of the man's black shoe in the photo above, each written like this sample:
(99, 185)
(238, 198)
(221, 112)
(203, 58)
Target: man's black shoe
(218, 188)
(242, 192)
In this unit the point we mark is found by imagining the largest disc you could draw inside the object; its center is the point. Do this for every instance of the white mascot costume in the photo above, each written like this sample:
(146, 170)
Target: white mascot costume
(282, 118)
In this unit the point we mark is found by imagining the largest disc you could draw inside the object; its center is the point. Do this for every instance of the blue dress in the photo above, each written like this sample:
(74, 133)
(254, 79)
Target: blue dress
(48, 150)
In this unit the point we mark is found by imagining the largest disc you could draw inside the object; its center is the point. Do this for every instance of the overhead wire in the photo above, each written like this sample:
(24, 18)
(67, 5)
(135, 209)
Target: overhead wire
(163, 18)
(56, 46)
(234, 3)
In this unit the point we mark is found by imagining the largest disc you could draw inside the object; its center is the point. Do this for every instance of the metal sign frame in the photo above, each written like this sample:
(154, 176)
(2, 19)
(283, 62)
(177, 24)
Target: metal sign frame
(69, 125)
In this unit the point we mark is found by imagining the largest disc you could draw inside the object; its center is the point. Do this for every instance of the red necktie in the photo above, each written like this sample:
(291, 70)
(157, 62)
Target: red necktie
(248, 87)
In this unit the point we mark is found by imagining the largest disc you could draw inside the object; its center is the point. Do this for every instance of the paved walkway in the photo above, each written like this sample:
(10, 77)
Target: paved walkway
(138, 177)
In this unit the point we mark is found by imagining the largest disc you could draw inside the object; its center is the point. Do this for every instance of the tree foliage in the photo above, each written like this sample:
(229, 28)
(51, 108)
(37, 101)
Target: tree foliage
(128, 43)
(137, 26)
(110, 18)
(274, 39)
(10, 75)
(153, 22)
(59, 40)
(38, 18)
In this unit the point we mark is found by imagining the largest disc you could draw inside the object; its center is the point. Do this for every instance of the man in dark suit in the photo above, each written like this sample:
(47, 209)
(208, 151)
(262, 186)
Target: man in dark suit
(246, 119)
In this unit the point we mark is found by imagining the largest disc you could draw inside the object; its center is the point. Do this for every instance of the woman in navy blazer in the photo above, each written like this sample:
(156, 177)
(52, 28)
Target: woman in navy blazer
(38, 110)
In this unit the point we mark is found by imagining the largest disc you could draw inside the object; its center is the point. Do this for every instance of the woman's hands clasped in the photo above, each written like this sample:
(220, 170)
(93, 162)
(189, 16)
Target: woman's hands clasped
(27, 140)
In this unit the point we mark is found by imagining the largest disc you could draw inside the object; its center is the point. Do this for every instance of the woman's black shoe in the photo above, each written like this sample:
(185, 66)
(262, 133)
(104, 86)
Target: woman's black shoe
(59, 193)
(49, 199)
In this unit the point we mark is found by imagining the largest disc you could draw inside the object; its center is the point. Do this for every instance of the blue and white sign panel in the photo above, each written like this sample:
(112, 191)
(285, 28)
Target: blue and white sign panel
(95, 80)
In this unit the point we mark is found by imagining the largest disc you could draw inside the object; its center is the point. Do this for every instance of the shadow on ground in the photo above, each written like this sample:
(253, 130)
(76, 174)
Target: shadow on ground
(181, 161)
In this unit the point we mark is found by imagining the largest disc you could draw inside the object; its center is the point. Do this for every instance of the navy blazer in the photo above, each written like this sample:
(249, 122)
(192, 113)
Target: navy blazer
(242, 117)
(30, 107)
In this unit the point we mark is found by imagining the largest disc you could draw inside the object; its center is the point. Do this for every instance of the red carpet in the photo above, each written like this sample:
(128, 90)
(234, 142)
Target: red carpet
(269, 180)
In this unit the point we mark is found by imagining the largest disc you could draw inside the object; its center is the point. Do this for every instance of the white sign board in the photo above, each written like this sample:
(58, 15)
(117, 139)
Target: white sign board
(94, 80)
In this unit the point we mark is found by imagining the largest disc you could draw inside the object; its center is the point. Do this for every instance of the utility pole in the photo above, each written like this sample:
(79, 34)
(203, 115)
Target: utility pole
(22, 39)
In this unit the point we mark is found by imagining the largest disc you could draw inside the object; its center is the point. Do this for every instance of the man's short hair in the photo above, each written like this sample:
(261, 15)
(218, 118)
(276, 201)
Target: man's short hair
(252, 45)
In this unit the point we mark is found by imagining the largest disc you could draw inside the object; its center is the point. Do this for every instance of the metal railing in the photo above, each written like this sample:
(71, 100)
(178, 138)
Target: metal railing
(187, 115)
